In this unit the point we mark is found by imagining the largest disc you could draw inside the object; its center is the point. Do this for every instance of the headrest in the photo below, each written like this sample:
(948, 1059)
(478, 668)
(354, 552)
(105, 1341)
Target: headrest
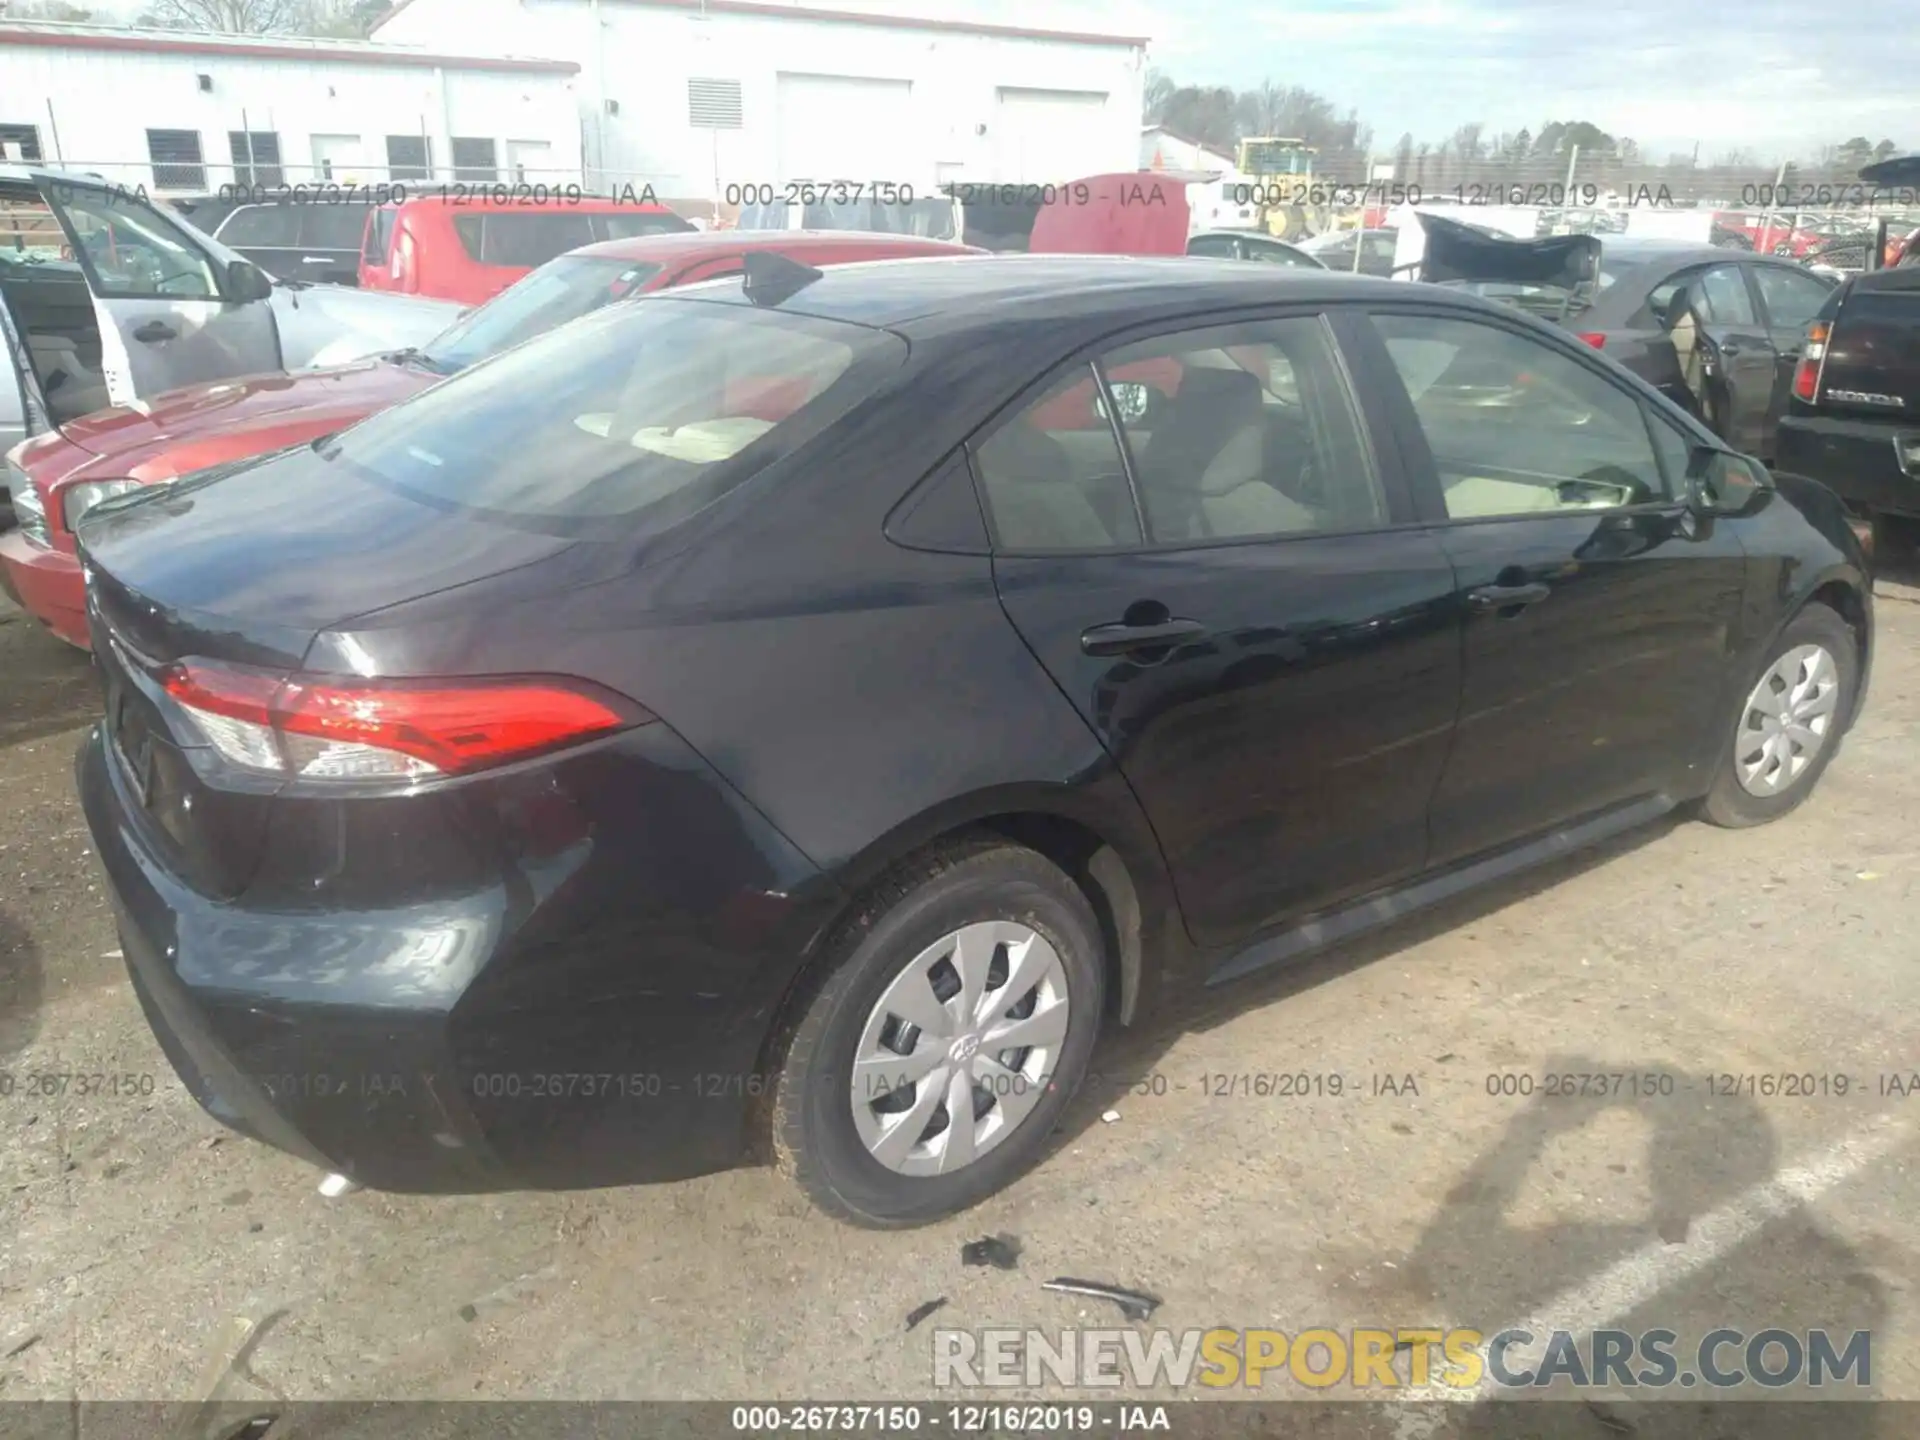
(1210, 437)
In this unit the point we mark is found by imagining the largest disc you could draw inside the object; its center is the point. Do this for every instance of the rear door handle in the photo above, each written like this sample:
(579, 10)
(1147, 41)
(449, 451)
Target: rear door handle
(1119, 639)
(1507, 597)
(316, 259)
(1729, 348)
(154, 331)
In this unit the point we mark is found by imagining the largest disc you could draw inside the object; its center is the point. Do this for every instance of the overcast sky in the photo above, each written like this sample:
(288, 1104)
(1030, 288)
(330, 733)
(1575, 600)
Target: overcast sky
(1757, 74)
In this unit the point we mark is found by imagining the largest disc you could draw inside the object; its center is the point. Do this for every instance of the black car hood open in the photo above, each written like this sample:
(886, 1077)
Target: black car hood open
(1459, 252)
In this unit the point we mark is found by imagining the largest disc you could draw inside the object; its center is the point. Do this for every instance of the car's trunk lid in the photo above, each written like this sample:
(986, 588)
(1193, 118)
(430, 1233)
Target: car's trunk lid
(1552, 276)
(248, 568)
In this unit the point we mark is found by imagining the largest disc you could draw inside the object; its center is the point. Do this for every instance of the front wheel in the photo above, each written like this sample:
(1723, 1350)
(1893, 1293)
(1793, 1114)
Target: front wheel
(953, 1029)
(1790, 722)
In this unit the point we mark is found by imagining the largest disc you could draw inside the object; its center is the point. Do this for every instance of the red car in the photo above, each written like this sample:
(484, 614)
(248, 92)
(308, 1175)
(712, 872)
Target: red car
(57, 477)
(1778, 236)
(471, 248)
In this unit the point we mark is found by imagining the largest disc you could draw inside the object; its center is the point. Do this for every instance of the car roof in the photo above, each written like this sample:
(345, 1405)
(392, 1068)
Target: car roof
(1650, 250)
(943, 296)
(508, 198)
(1249, 235)
(698, 244)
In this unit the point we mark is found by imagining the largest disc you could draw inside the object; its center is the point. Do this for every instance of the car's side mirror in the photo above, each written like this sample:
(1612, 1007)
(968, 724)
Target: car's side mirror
(246, 282)
(1719, 482)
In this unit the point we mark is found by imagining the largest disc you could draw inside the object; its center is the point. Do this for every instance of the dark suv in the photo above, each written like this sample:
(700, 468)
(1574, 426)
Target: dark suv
(1853, 412)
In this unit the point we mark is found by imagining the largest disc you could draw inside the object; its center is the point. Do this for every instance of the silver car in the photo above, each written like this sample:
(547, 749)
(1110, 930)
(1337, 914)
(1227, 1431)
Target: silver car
(108, 297)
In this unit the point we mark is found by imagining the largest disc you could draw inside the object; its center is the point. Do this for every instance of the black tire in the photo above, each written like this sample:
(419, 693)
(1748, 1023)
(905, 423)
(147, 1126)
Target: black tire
(1728, 803)
(814, 1137)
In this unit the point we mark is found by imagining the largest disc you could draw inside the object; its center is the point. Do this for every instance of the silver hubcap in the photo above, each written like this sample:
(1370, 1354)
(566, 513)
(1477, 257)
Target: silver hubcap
(1787, 720)
(958, 1051)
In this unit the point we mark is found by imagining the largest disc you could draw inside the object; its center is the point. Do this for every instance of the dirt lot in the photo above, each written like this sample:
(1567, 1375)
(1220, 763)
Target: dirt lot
(132, 1232)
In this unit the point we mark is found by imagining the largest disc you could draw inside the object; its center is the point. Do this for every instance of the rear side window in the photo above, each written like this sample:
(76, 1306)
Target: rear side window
(522, 241)
(1244, 431)
(632, 224)
(379, 237)
(644, 412)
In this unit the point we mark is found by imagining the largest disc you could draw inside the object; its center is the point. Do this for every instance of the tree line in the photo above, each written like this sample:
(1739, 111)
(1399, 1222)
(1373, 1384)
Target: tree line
(339, 19)
(1219, 116)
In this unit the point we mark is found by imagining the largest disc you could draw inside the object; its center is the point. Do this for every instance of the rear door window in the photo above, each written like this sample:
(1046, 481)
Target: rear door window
(522, 241)
(645, 412)
(1724, 298)
(328, 226)
(261, 227)
(1792, 297)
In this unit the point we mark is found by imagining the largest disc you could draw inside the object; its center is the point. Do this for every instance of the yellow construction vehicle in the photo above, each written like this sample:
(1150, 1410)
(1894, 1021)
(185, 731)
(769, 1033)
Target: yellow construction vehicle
(1282, 181)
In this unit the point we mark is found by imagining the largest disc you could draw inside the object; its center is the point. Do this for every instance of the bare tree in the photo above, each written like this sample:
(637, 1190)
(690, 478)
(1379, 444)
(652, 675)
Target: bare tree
(234, 17)
(44, 10)
(346, 19)
(1159, 90)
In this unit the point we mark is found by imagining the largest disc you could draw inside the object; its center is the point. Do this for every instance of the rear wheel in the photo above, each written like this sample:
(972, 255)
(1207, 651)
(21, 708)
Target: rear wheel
(1788, 726)
(953, 1029)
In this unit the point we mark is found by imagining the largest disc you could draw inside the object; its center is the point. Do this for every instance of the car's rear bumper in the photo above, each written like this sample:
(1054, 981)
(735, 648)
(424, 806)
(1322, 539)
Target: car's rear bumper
(478, 1042)
(47, 584)
(1857, 459)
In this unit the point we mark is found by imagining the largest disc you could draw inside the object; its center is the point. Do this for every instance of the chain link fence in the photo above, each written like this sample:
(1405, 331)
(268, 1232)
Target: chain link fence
(1821, 214)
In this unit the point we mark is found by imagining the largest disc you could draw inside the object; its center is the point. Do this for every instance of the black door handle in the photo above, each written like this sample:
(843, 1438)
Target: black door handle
(1729, 348)
(1119, 639)
(154, 331)
(1507, 597)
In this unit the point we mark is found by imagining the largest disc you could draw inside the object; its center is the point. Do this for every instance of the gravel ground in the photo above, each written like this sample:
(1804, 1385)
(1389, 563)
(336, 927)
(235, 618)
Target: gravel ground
(134, 1233)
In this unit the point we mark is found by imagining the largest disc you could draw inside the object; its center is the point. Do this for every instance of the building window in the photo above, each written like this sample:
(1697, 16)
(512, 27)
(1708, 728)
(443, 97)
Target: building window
(475, 160)
(256, 157)
(409, 157)
(19, 142)
(713, 104)
(177, 162)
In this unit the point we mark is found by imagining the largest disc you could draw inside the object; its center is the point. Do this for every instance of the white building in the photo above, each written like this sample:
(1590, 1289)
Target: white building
(183, 112)
(697, 97)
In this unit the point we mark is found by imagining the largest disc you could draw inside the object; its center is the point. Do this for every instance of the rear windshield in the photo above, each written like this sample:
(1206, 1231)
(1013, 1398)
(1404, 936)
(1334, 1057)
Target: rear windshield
(1548, 301)
(646, 411)
(559, 291)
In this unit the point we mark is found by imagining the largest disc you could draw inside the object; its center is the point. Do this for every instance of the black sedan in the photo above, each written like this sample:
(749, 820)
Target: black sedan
(1719, 333)
(808, 709)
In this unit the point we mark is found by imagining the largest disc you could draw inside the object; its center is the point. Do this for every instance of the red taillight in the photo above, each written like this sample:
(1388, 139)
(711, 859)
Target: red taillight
(327, 729)
(1806, 375)
(1594, 338)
